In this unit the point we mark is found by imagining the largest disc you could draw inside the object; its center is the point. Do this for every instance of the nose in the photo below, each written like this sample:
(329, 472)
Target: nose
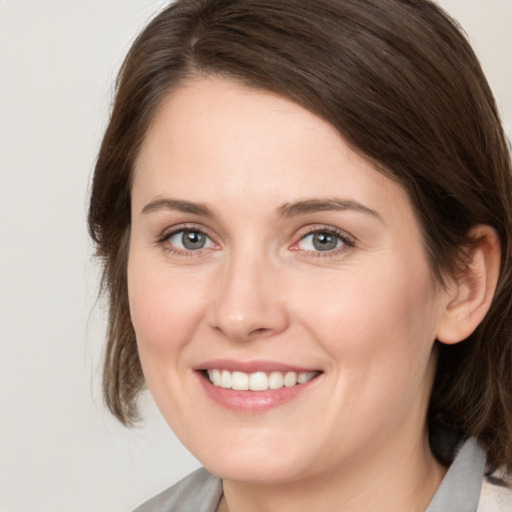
(248, 302)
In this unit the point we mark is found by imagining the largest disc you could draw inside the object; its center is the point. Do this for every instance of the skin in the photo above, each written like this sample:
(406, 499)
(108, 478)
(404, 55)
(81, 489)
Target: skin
(366, 314)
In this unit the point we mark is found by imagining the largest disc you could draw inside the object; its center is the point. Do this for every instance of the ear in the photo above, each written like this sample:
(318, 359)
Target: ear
(469, 297)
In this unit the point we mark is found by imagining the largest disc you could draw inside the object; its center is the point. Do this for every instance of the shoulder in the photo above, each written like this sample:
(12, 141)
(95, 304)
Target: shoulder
(200, 491)
(496, 493)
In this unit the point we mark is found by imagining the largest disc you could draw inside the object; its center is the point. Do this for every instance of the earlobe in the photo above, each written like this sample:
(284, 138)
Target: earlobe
(469, 297)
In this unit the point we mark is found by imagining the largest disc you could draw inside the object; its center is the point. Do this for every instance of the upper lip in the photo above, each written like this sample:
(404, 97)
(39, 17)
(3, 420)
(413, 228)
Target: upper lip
(251, 366)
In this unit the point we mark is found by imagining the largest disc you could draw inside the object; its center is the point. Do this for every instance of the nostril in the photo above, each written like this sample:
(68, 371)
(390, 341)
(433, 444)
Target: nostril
(260, 330)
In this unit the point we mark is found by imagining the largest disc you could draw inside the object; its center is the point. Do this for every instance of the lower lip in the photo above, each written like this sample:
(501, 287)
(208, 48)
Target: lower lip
(254, 401)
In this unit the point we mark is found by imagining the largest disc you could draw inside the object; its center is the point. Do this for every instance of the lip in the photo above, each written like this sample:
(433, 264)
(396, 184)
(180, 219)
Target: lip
(253, 401)
(251, 366)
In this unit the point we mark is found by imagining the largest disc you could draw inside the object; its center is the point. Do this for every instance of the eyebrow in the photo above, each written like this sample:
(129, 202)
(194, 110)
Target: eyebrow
(323, 205)
(295, 209)
(180, 205)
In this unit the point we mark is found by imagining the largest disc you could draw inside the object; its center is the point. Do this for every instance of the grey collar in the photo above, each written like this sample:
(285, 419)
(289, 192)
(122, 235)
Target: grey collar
(460, 489)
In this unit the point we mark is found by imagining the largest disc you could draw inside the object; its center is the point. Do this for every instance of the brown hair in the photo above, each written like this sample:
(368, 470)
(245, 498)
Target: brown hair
(401, 84)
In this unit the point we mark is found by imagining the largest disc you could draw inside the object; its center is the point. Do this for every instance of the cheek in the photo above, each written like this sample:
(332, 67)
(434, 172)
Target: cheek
(381, 320)
(164, 307)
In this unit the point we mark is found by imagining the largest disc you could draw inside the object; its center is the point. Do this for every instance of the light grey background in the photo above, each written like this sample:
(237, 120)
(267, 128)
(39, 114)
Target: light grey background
(59, 448)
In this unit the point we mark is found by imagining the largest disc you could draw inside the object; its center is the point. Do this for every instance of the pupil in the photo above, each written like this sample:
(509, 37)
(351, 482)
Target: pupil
(193, 240)
(324, 241)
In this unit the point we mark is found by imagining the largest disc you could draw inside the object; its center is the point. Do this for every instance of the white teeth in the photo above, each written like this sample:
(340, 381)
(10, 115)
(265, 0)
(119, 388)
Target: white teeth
(239, 381)
(304, 377)
(259, 381)
(290, 379)
(225, 379)
(275, 380)
(215, 377)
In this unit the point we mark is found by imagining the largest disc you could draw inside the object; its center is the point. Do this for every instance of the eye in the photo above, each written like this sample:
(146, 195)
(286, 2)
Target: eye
(188, 240)
(323, 241)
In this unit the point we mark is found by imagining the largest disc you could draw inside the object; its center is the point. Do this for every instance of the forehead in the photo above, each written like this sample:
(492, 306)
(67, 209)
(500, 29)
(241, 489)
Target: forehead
(203, 110)
(218, 140)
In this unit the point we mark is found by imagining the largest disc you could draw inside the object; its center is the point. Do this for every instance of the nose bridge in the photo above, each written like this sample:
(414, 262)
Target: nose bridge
(248, 302)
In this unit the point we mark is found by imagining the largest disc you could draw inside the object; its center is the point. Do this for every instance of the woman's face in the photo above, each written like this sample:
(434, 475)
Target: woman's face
(265, 253)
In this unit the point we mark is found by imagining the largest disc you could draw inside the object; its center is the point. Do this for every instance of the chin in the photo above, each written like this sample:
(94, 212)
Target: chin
(259, 462)
(270, 470)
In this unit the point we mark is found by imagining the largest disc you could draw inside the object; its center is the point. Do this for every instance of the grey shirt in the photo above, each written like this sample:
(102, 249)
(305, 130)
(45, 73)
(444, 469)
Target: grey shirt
(459, 491)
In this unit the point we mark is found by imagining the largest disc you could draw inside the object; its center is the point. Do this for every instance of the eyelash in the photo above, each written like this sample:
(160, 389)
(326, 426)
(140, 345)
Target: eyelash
(163, 240)
(347, 241)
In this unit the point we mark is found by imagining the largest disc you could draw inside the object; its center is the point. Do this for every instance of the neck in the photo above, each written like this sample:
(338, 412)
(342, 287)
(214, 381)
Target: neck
(402, 478)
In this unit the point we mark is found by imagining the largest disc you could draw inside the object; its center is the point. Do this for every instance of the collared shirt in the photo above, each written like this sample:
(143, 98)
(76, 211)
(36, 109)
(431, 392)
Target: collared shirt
(461, 487)
(460, 491)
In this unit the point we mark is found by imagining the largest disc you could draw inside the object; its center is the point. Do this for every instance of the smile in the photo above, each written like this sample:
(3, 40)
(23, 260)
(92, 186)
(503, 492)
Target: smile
(258, 381)
(255, 386)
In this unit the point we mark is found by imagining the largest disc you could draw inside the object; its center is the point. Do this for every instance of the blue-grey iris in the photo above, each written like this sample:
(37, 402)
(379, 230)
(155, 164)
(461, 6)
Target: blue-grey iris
(193, 240)
(324, 241)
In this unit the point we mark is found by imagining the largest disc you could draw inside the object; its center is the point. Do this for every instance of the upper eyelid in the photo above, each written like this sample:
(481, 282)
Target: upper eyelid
(163, 240)
(319, 228)
(300, 233)
(170, 231)
(348, 241)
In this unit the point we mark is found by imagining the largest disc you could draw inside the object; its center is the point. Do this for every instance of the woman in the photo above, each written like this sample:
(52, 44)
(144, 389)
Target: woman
(304, 215)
